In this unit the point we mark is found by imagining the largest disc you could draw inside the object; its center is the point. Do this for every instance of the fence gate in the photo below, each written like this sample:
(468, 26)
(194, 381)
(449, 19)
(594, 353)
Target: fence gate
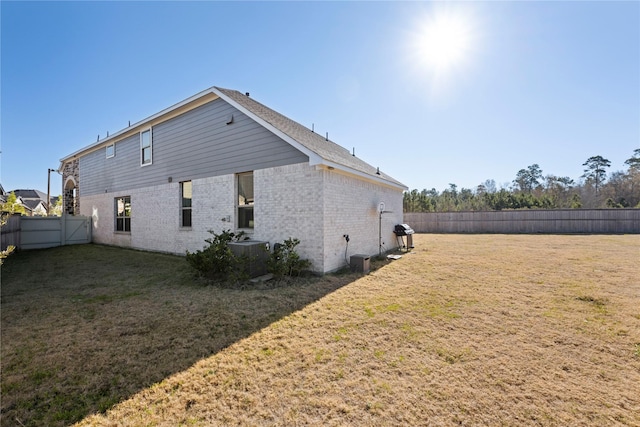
(46, 232)
(77, 230)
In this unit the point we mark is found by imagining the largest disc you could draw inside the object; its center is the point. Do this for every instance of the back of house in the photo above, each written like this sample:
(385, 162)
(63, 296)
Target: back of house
(220, 160)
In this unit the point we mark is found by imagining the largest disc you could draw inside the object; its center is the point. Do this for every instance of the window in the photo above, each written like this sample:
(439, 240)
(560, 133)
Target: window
(186, 196)
(123, 214)
(146, 147)
(245, 200)
(111, 150)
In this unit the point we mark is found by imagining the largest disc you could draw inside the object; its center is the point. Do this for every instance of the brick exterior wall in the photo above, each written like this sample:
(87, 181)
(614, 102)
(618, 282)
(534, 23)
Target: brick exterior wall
(351, 207)
(155, 215)
(101, 209)
(300, 201)
(289, 205)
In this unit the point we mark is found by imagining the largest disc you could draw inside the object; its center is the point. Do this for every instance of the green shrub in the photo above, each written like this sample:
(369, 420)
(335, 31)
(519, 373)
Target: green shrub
(216, 261)
(285, 261)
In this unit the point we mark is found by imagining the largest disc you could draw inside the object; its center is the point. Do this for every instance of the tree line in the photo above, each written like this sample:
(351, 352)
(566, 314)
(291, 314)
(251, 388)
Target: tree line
(532, 190)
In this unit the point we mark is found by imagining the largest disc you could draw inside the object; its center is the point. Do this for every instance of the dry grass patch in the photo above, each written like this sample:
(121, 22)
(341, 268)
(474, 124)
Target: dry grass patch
(470, 330)
(85, 327)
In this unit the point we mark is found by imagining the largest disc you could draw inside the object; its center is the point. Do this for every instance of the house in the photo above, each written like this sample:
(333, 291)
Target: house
(34, 201)
(220, 160)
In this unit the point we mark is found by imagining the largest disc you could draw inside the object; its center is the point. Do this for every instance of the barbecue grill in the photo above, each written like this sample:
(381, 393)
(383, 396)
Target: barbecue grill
(402, 230)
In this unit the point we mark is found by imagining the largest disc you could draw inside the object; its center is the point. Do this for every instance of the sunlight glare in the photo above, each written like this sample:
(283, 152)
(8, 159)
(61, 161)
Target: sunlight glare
(444, 44)
(445, 41)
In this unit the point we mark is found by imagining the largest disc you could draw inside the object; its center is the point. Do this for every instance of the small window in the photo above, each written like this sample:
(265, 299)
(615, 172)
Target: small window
(245, 200)
(185, 209)
(123, 214)
(146, 148)
(111, 150)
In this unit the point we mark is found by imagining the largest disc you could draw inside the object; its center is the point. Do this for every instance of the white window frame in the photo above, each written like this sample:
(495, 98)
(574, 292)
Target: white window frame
(184, 208)
(113, 150)
(245, 205)
(124, 215)
(150, 147)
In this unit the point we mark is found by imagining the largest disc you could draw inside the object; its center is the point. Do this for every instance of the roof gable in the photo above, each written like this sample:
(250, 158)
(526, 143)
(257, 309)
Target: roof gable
(33, 204)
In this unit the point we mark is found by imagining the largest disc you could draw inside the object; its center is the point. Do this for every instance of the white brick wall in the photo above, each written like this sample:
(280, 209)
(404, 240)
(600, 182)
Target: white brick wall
(101, 209)
(289, 204)
(316, 206)
(351, 207)
(155, 215)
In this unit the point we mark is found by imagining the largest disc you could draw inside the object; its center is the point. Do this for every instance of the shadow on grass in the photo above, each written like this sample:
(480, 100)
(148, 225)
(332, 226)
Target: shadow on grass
(85, 327)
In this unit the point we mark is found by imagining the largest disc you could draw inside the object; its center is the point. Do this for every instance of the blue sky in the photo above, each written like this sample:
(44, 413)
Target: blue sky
(551, 83)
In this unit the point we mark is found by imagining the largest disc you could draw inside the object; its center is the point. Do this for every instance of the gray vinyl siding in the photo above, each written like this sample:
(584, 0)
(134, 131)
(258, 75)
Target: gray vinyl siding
(194, 145)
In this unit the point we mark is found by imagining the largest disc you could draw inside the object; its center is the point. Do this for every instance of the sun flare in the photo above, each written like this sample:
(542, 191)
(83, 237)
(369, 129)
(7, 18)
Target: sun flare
(444, 40)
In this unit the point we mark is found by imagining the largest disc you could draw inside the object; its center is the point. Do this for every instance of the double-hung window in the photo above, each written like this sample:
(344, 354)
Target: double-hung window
(123, 214)
(186, 193)
(146, 147)
(245, 200)
(111, 150)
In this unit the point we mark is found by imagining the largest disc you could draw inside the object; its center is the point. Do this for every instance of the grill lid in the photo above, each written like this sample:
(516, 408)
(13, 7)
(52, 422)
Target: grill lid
(403, 230)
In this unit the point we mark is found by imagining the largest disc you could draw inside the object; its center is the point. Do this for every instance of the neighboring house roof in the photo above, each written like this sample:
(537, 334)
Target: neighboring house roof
(320, 150)
(33, 204)
(31, 194)
(32, 199)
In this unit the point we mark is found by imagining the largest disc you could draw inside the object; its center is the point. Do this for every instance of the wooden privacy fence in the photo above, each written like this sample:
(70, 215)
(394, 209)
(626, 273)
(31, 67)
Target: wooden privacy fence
(45, 232)
(556, 221)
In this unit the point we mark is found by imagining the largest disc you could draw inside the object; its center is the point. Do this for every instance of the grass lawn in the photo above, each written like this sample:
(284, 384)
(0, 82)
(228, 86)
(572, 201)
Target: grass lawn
(466, 330)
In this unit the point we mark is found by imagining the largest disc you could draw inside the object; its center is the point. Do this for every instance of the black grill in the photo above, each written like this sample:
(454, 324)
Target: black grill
(403, 230)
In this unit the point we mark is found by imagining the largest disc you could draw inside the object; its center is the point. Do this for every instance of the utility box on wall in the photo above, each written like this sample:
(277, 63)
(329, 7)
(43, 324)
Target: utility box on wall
(360, 263)
(256, 253)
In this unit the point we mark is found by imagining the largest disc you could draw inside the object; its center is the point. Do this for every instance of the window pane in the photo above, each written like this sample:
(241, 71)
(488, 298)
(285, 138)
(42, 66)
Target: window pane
(186, 194)
(146, 155)
(110, 150)
(186, 217)
(245, 189)
(120, 207)
(145, 145)
(145, 139)
(123, 213)
(245, 217)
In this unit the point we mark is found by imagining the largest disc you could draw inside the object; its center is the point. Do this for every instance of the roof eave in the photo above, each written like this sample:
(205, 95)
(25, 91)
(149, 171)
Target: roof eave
(362, 175)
